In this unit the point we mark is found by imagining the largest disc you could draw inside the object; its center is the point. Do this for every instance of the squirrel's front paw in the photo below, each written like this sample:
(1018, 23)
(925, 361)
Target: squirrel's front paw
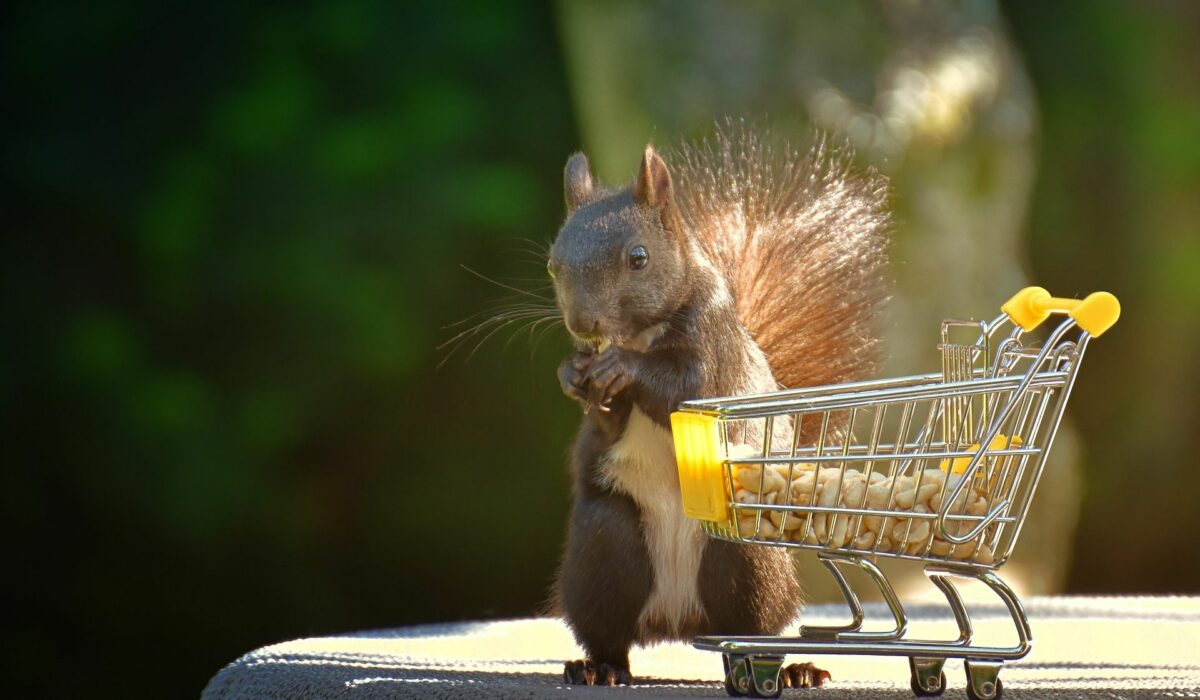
(572, 375)
(609, 374)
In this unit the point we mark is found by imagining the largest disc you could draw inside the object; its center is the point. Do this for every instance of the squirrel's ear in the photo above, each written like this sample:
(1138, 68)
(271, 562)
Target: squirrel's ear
(577, 181)
(653, 187)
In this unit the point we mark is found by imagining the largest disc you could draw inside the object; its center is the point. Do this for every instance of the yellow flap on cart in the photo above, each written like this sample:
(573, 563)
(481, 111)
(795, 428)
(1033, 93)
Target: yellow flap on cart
(700, 462)
(1000, 442)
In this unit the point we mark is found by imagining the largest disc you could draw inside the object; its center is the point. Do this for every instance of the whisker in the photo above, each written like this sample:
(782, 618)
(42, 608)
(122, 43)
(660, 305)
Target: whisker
(495, 324)
(500, 284)
(532, 327)
(542, 335)
(529, 324)
(528, 256)
(533, 250)
(501, 309)
(486, 326)
(530, 279)
(498, 318)
(539, 261)
(543, 247)
(527, 311)
(485, 338)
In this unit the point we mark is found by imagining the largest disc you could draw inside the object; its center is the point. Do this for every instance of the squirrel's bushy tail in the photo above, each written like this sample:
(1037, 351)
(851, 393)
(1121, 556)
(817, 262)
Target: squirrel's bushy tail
(801, 239)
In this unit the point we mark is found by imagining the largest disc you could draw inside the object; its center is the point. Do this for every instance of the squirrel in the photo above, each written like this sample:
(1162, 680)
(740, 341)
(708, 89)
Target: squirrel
(741, 268)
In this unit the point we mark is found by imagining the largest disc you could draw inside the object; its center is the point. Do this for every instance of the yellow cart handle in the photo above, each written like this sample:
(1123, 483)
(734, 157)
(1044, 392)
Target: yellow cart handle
(1095, 314)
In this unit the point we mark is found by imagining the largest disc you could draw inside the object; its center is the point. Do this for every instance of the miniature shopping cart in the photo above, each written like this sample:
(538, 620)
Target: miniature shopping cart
(937, 468)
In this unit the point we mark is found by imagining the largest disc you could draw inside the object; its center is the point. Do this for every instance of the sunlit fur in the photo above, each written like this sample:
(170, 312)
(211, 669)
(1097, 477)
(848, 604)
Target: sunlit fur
(801, 238)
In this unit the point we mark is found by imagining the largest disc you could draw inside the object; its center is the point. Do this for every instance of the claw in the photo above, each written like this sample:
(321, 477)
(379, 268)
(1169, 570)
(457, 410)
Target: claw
(573, 379)
(589, 673)
(805, 675)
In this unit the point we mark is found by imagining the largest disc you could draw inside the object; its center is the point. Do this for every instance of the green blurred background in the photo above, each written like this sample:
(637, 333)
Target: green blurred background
(238, 239)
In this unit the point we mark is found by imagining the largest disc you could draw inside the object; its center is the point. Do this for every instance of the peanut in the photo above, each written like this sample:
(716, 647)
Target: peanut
(753, 477)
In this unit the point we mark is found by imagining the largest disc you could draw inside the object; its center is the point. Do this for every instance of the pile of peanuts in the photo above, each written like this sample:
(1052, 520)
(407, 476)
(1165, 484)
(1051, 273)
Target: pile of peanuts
(827, 487)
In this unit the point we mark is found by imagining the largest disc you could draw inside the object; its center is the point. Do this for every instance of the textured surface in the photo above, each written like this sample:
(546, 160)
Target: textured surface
(1083, 647)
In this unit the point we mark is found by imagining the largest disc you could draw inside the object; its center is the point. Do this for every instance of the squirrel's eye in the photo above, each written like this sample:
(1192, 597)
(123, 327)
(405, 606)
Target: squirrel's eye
(638, 257)
(550, 269)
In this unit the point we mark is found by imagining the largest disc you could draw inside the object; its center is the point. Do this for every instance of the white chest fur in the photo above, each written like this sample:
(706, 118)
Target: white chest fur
(642, 465)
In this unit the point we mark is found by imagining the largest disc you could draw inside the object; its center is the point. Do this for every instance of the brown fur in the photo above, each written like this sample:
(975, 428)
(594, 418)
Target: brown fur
(801, 239)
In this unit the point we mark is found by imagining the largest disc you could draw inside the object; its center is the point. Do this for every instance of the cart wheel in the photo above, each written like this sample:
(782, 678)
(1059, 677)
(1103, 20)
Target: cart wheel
(737, 678)
(924, 692)
(999, 692)
(926, 676)
(994, 696)
(983, 679)
(764, 676)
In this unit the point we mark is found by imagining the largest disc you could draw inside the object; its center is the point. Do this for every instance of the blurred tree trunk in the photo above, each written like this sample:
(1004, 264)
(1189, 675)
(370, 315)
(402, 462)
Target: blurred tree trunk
(932, 94)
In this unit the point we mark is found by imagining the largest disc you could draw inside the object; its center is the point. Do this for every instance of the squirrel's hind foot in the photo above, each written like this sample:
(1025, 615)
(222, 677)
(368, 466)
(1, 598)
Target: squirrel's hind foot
(585, 672)
(804, 675)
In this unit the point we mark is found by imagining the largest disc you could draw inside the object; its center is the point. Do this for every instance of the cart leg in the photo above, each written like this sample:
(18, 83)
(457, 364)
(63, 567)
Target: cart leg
(928, 678)
(853, 630)
(983, 679)
(831, 563)
(956, 605)
(1024, 634)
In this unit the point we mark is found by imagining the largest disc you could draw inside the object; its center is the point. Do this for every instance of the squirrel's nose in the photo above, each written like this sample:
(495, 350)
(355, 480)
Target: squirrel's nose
(582, 325)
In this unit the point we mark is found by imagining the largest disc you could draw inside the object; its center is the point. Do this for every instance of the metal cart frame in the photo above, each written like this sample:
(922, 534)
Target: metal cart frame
(977, 433)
